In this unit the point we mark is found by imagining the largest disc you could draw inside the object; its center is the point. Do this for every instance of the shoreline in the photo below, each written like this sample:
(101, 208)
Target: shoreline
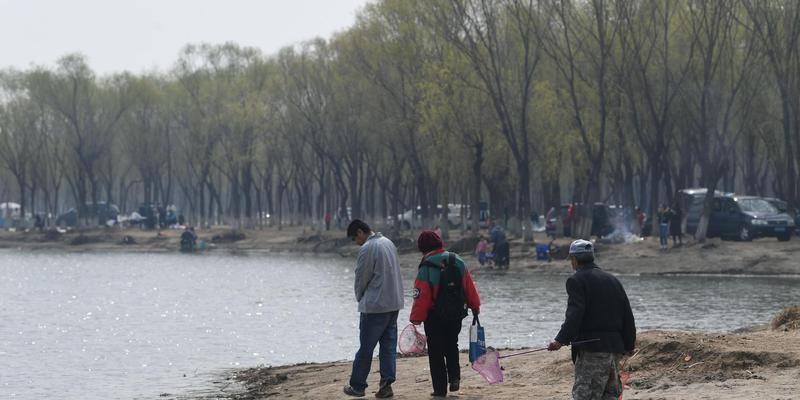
(760, 258)
(747, 363)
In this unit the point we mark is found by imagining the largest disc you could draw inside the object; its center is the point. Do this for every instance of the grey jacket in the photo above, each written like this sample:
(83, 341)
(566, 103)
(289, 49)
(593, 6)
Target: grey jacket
(378, 284)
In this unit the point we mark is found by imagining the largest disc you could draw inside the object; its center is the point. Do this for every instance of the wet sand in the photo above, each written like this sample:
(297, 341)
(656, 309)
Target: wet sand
(760, 363)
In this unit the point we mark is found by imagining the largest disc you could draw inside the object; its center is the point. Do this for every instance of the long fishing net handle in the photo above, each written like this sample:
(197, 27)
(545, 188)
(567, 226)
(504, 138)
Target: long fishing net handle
(584, 342)
(545, 348)
(524, 352)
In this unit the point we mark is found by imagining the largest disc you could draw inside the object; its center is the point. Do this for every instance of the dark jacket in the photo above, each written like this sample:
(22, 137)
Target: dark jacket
(675, 223)
(597, 308)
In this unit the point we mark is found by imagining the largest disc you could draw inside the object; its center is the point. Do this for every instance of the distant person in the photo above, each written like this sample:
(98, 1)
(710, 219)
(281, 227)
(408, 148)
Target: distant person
(675, 221)
(162, 217)
(567, 220)
(597, 308)
(172, 219)
(38, 222)
(443, 290)
(437, 230)
(638, 222)
(496, 233)
(188, 239)
(379, 292)
(480, 251)
(664, 217)
(328, 220)
(343, 218)
(501, 247)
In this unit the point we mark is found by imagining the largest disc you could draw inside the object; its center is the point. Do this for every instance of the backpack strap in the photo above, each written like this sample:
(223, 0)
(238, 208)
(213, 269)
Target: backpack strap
(428, 263)
(449, 260)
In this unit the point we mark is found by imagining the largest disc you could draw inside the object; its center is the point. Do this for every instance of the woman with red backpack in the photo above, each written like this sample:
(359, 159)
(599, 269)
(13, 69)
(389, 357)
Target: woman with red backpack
(443, 290)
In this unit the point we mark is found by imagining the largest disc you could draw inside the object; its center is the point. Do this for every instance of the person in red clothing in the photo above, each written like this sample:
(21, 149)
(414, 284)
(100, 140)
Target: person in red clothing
(441, 329)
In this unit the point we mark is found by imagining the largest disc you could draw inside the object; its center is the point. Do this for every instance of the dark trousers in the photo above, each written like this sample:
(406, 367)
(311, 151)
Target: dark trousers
(443, 352)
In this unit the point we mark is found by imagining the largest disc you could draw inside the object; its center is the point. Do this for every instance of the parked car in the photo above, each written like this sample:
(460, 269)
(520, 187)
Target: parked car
(413, 218)
(483, 216)
(741, 217)
(11, 215)
(559, 220)
(602, 220)
(783, 207)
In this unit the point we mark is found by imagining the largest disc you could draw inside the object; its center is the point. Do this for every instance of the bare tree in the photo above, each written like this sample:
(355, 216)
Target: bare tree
(581, 45)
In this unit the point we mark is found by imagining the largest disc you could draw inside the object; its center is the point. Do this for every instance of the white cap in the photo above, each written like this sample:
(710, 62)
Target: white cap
(581, 246)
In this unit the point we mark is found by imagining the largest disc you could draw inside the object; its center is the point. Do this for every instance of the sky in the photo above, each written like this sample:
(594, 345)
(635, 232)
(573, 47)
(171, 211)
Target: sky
(147, 35)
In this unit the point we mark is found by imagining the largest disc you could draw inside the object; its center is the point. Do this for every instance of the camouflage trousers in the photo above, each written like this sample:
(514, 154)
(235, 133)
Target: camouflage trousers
(597, 376)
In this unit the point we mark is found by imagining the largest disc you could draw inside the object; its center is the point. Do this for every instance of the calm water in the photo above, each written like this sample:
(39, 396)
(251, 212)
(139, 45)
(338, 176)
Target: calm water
(127, 326)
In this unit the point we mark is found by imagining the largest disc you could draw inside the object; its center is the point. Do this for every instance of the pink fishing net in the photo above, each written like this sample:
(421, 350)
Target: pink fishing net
(488, 366)
(624, 377)
(411, 341)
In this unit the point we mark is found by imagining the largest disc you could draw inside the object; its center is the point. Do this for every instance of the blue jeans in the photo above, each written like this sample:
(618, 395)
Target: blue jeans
(662, 233)
(376, 328)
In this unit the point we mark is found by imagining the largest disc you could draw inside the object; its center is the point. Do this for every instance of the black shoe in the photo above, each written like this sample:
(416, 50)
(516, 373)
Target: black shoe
(350, 391)
(455, 385)
(434, 394)
(384, 392)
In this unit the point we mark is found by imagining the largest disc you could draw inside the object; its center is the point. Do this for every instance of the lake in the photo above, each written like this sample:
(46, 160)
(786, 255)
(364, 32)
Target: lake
(102, 326)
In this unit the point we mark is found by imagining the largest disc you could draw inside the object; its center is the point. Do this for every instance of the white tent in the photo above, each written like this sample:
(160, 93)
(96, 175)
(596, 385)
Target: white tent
(10, 210)
(10, 206)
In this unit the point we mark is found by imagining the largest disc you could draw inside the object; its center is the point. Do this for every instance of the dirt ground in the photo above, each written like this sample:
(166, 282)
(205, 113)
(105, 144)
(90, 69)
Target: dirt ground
(759, 257)
(760, 363)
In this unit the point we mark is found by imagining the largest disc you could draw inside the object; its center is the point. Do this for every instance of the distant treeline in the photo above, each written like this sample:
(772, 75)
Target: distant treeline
(524, 104)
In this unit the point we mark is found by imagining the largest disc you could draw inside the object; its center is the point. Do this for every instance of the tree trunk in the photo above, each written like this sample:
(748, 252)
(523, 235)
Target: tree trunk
(524, 205)
(475, 197)
(702, 226)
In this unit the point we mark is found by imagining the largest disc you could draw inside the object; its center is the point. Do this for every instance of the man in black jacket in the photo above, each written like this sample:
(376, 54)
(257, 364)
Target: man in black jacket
(597, 308)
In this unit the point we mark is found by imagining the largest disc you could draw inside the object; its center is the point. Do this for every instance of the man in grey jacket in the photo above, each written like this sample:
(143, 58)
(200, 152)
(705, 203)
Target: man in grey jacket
(379, 292)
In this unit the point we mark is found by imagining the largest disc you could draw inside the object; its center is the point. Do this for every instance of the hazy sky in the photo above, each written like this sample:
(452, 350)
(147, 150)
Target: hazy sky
(138, 35)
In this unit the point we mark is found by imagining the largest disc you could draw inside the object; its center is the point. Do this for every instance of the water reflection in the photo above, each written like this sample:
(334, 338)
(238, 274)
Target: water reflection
(134, 326)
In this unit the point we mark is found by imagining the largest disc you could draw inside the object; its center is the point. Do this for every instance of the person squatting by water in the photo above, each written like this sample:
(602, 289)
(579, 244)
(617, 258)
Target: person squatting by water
(379, 292)
(443, 290)
(480, 251)
(597, 308)
(188, 239)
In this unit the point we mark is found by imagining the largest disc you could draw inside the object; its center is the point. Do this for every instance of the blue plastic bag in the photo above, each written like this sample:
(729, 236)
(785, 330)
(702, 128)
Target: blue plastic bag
(477, 340)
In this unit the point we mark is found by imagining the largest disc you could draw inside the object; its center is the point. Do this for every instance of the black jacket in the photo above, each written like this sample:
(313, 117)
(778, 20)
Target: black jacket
(597, 308)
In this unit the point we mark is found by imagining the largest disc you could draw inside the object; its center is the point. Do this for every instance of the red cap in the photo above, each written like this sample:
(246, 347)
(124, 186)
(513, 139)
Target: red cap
(429, 241)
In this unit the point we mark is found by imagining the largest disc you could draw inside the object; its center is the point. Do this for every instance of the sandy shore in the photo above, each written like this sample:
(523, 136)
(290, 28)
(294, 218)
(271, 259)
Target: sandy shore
(760, 363)
(760, 257)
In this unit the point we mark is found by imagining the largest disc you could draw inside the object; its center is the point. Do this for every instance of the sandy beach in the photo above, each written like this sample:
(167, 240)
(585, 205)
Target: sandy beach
(760, 362)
